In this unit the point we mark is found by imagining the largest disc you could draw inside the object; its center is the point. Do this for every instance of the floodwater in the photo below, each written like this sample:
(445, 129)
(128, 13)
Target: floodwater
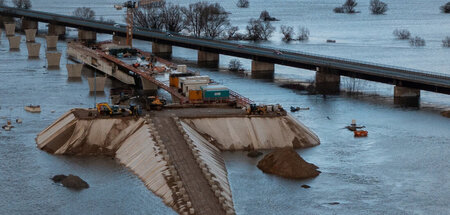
(401, 168)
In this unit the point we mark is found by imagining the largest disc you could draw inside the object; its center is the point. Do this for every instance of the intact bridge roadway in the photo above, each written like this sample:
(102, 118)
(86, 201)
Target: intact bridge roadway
(328, 69)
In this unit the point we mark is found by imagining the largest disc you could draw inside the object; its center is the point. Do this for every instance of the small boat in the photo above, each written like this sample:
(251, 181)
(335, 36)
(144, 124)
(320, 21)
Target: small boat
(331, 41)
(33, 108)
(295, 109)
(361, 133)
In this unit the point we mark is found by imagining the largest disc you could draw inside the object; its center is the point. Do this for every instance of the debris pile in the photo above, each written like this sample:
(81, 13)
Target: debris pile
(287, 163)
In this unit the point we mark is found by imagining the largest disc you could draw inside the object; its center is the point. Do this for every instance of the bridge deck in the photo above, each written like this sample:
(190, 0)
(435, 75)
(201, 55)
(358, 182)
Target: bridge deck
(405, 77)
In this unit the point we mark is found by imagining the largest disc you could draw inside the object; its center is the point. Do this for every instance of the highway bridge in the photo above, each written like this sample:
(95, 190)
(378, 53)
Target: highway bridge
(328, 69)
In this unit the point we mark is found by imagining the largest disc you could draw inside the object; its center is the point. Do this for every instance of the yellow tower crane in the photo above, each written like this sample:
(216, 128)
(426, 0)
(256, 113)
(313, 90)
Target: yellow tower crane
(131, 6)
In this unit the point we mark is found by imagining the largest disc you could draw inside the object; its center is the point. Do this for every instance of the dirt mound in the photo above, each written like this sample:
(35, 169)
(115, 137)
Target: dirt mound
(71, 181)
(446, 113)
(287, 163)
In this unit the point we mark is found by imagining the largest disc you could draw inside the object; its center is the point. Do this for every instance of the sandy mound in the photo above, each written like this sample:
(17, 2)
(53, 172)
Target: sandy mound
(446, 113)
(287, 163)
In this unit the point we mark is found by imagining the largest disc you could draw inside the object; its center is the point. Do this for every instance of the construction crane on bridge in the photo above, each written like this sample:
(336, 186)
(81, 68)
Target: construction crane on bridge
(131, 6)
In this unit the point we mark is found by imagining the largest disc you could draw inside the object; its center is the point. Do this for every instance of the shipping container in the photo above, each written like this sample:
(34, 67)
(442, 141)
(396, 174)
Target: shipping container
(186, 85)
(195, 96)
(215, 93)
(174, 78)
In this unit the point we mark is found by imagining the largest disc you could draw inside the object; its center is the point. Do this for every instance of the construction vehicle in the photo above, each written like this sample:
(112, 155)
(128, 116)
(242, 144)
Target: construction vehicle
(131, 6)
(154, 103)
(106, 110)
(254, 109)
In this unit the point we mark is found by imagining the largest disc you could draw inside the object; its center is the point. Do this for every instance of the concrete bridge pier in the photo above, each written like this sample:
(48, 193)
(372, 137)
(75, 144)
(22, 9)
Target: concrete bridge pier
(56, 30)
(52, 41)
(53, 59)
(74, 70)
(87, 36)
(29, 24)
(99, 85)
(162, 50)
(10, 29)
(30, 34)
(33, 50)
(328, 81)
(5, 19)
(405, 96)
(14, 42)
(263, 70)
(119, 40)
(149, 87)
(208, 59)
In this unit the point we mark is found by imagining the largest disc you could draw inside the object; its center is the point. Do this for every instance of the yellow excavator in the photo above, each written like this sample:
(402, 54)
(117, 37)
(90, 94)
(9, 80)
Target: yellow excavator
(155, 103)
(106, 110)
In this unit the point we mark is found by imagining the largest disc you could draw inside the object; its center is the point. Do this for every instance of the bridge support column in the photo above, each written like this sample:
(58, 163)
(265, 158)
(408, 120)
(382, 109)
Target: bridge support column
(149, 87)
(29, 24)
(119, 40)
(262, 70)
(10, 29)
(99, 85)
(56, 30)
(327, 81)
(87, 36)
(5, 19)
(74, 70)
(162, 50)
(52, 41)
(208, 59)
(408, 97)
(14, 42)
(30, 34)
(53, 59)
(33, 50)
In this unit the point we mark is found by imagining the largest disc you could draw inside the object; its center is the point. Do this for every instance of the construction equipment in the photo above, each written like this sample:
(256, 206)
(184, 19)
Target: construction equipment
(131, 6)
(154, 103)
(106, 110)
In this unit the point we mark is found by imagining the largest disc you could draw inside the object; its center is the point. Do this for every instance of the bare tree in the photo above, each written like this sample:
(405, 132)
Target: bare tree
(243, 3)
(24, 4)
(402, 34)
(109, 21)
(149, 16)
(303, 35)
(446, 42)
(288, 33)
(215, 20)
(233, 34)
(235, 65)
(172, 18)
(347, 7)
(259, 30)
(378, 7)
(417, 41)
(203, 18)
(84, 13)
(445, 8)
